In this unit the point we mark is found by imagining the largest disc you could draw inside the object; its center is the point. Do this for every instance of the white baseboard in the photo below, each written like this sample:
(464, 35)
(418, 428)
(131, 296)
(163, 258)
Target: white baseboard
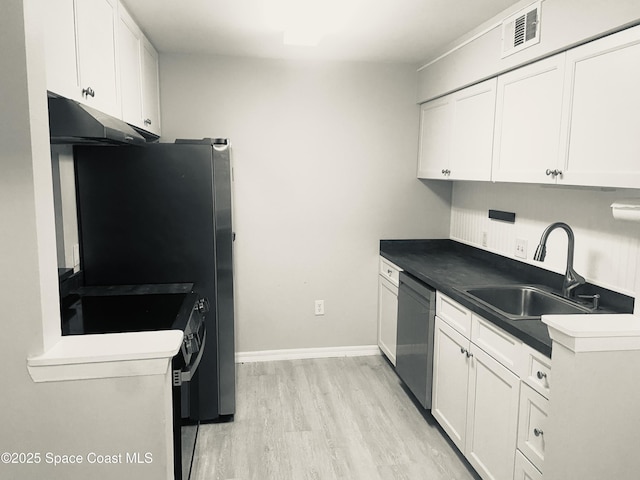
(302, 353)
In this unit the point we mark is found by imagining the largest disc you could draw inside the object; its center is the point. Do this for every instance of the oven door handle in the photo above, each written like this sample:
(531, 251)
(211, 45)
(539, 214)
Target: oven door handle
(186, 374)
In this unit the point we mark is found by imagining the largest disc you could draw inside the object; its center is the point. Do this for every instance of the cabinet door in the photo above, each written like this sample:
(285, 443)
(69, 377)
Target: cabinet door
(450, 381)
(492, 416)
(60, 45)
(130, 62)
(528, 116)
(435, 138)
(472, 136)
(602, 100)
(532, 425)
(150, 88)
(525, 470)
(96, 20)
(387, 318)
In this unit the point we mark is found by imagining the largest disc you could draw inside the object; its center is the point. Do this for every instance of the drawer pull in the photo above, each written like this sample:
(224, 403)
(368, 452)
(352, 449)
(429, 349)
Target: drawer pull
(466, 352)
(537, 432)
(541, 375)
(389, 272)
(88, 92)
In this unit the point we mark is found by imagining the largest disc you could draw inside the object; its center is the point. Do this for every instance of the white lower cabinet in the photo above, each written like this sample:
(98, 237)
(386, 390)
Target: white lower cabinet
(388, 308)
(525, 470)
(489, 394)
(450, 381)
(492, 414)
(532, 425)
(475, 400)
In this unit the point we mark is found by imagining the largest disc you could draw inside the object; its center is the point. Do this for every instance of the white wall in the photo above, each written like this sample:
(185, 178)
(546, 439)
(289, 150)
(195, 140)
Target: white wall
(607, 251)
(325, 167)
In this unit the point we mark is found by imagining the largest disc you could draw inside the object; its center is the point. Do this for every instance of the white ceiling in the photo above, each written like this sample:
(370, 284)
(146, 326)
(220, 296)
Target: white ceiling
(409, 31)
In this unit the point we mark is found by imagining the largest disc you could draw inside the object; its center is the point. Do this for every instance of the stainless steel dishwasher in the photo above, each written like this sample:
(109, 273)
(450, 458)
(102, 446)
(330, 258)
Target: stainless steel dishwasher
(416, 319)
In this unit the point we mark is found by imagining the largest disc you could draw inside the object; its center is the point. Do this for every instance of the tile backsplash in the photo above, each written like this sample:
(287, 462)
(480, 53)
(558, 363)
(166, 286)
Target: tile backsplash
(607, 251)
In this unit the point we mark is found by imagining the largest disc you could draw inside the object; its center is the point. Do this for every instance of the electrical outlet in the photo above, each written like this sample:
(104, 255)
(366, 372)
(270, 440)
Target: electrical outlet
(484, 239)
(521, 248)
(319, 307)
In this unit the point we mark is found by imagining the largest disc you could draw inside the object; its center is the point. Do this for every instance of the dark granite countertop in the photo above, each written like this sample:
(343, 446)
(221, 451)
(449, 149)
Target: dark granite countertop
(448, 266)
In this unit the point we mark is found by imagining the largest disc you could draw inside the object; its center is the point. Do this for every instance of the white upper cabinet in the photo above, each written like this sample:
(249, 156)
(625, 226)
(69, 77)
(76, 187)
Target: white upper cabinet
(435, 138)
(138, 62)
(130, 62)
(60, 44)
(150, 88)
(96, 54)
(96, 47)
(456, 133)
(528, 118)
(472, 131)
(601, 141)
(81, 51)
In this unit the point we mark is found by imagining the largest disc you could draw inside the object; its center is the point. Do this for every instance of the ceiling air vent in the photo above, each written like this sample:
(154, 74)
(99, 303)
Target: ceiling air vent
(521, 30)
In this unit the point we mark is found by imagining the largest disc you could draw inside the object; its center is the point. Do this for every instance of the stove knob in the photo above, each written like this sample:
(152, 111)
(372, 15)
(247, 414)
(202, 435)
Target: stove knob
(202, 306)
(188, 344)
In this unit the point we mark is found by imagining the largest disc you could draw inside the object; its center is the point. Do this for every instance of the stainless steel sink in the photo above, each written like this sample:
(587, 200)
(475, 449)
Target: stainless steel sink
(524, 301)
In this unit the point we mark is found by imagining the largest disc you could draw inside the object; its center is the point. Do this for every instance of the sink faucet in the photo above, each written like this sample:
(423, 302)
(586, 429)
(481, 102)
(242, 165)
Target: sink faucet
(571, 278)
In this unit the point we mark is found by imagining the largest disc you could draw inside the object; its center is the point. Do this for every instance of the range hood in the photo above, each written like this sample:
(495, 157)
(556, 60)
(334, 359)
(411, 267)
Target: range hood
(72, 123)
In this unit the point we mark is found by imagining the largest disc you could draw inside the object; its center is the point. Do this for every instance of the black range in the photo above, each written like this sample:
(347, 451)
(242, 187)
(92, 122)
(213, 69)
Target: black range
(448, 266)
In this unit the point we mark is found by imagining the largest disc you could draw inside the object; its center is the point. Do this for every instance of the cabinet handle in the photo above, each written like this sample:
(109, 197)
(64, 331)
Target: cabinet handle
(554, 172)
(463, 350)
(469, 354)
(446, 171)
(541, 375)
(147, 121)
(88, 92)
(537, 432)
(389, 272)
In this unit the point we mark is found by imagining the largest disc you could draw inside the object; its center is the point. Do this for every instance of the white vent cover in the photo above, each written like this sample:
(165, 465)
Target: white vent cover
(521, 30)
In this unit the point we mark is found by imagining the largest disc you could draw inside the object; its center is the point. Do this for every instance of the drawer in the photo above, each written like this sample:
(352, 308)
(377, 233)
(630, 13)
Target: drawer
(454, 314)
(532, 422)
(537, 371)
(390, 271)
(502, 346)
(524, 469)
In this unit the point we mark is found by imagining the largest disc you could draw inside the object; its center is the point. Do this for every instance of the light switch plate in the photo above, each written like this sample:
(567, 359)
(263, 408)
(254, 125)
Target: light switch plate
(521, 248)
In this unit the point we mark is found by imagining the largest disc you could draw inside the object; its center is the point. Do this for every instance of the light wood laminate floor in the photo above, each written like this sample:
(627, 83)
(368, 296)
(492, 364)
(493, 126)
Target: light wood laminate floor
(337, 418)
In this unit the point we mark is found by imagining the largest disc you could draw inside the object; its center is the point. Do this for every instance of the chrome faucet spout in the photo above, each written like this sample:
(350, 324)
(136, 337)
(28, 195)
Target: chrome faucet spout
(572, 279)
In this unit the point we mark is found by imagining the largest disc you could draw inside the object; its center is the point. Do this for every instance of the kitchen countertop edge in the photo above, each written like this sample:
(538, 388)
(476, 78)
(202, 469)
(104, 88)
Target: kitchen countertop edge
(414, 257)
(108, 355)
